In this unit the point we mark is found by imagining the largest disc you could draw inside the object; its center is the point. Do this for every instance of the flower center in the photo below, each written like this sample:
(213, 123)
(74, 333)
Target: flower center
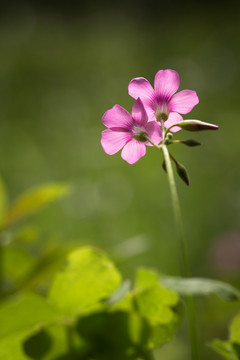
(139, 134)
(161, 112)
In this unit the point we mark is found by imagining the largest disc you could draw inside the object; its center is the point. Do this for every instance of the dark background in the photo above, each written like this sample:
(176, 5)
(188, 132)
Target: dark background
(62, 65)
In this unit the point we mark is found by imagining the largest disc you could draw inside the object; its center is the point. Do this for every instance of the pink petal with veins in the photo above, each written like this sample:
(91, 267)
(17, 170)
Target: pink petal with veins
(133, 151)
(173, 118)
(154, 132)
(183, 101)
(113, 141)
(141, 88)
(166, 83)
(117, 117)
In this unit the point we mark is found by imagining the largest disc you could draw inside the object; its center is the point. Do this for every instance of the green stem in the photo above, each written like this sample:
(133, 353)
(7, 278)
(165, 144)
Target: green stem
(185, 265)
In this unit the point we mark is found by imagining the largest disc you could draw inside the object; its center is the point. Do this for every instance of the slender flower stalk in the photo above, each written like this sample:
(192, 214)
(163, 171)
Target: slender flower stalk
(185, 265)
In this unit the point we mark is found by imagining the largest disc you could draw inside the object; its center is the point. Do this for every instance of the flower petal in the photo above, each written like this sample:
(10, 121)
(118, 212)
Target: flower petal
(151, 114)
(154, 132)
(166, 83)
(140, 87)
(173, 118)
(133, 151)
(139, 113)
(117, 117)
(183, 101)
(113, 141)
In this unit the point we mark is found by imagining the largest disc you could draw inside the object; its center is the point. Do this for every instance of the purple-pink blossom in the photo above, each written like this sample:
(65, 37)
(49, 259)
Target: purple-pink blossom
(129, 132)
(162, 102)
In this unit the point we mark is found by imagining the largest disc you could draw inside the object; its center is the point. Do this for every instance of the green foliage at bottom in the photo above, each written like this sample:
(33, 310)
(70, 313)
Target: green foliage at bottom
(89, 314)
(107, 336)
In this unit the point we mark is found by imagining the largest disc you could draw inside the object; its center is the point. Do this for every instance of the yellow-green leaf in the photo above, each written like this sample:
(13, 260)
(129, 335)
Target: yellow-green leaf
(10, 347)
(88, 278)
(32, 200)
(159, 306)
(20, 317)
(25, 312)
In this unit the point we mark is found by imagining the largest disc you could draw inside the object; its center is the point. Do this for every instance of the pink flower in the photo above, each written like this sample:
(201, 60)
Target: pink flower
(129, 132)
(161, 102)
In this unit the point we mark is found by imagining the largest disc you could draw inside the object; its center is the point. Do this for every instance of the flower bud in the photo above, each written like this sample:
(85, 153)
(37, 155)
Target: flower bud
(182, 172)
(190, 142)
(196, 125)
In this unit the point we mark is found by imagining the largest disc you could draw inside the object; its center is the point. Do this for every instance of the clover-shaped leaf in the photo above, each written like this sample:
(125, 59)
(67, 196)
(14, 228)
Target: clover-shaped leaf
(88, 278)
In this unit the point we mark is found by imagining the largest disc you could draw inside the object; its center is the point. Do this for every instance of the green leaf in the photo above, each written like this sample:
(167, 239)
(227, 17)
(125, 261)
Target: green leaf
(202, 287)
(145, 279)
(25, 312)
(53, 343)
(109, 336)
(38, 345)
(229, 349)
(235, 330)
(159, 306)
(32, 200)
(155, 305)
(163, 333)
(31, 272)
(88, 278)
(45, 268)
(10, 347)
(21, 317)
(24, 260)
(119, 294)
(224, 348)
(27, 234)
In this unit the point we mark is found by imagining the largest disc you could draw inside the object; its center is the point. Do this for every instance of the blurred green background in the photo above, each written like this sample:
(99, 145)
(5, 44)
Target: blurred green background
(61, 67)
